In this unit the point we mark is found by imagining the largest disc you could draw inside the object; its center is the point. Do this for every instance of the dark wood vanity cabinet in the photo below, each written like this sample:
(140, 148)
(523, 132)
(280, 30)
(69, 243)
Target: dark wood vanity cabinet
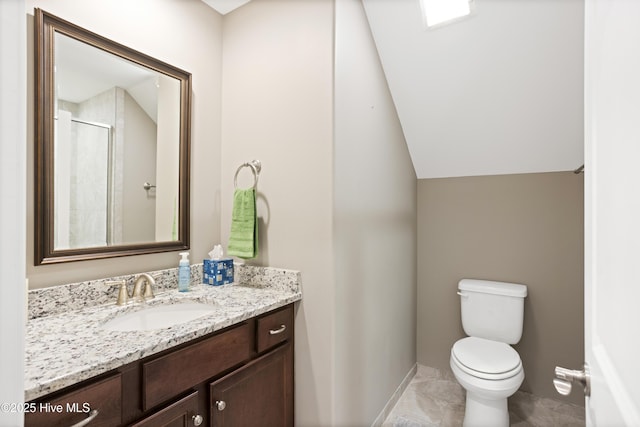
(240, 376)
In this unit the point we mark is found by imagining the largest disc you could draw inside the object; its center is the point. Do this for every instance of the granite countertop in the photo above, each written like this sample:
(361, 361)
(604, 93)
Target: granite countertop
(71, 346)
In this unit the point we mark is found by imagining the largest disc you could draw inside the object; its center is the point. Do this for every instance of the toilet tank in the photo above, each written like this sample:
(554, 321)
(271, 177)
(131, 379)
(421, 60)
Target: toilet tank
(492, 310)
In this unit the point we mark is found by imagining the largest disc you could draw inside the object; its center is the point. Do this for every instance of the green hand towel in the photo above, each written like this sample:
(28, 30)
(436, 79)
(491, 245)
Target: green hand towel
(243, 241)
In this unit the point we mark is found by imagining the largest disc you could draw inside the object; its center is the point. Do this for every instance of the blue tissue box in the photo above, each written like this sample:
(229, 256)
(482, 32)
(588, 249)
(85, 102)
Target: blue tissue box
(217, 272)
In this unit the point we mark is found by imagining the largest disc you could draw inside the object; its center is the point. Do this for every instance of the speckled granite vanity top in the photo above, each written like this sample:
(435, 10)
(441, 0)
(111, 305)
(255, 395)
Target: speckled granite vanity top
(65, 347)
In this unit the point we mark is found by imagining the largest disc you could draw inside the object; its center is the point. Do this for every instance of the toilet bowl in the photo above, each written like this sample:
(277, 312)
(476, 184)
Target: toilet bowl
(490, 372)
(484, 363)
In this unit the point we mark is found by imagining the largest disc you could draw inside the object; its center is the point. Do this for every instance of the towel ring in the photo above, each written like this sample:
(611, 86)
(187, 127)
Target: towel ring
(255, 167)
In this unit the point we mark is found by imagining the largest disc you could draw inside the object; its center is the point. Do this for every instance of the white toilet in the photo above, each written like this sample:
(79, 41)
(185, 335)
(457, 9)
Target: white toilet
(484, 363)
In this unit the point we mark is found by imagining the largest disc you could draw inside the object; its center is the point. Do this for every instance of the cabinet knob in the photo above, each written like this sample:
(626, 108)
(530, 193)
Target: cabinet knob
(197, 420)
(221, 404)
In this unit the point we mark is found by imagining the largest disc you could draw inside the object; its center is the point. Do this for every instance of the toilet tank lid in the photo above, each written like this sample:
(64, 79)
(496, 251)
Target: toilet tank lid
(491, 287)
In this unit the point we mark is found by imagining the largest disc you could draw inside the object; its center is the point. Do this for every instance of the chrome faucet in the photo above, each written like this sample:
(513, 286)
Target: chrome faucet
(149, 282)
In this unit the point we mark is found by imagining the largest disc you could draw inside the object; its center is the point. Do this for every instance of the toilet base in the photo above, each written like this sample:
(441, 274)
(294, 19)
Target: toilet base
(485, 413)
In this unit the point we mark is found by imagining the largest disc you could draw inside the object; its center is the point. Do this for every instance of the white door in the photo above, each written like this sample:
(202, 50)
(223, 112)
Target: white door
(612, 211)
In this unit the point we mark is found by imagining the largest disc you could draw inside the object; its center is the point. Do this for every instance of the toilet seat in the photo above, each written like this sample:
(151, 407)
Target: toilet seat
(486, 359)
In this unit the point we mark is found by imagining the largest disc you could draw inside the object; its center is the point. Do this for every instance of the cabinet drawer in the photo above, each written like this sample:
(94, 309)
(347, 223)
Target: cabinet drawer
(180, 370)
(274, 328)
(104, 396)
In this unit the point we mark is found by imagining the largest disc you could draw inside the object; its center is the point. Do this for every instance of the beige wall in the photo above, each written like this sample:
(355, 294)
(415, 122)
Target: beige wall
(319, 203)
(374, 234)
(515, 228)
(139, 166)
(277, 97)
(184, 33)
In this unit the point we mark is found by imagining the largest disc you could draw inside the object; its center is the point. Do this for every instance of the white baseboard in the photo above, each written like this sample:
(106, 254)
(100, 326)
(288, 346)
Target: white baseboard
(395, 397)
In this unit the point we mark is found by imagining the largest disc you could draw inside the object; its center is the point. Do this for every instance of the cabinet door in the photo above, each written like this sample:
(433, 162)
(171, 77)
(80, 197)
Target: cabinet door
(183, 413)
(258, 394)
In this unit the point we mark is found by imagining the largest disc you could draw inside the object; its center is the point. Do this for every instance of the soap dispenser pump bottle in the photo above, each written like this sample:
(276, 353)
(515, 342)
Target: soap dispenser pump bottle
(184, 272)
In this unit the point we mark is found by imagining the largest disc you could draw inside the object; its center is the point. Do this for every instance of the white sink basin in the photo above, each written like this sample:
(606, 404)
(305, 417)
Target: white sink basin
(159, 317)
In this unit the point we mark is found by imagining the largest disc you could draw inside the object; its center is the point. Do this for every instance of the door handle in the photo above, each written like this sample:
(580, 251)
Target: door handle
(564, 379)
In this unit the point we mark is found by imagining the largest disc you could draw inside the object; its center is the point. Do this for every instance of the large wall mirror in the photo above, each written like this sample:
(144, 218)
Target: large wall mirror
(112, 147)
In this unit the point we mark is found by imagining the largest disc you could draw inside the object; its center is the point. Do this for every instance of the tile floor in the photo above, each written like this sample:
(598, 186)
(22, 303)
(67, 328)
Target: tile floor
(434, 398)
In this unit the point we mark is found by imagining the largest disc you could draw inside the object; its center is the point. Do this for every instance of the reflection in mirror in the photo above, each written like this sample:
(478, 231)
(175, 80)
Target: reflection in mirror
(106, 148)
(112, 148)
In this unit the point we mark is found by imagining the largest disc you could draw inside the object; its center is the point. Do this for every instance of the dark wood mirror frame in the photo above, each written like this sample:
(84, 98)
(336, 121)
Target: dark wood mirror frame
(46, 25)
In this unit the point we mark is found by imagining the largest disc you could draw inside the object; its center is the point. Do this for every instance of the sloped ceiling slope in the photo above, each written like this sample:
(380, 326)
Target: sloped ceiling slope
(225, 6)
(500, 92)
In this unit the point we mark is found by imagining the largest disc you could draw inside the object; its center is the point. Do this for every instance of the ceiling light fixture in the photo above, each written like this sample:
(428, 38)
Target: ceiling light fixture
(441, 12)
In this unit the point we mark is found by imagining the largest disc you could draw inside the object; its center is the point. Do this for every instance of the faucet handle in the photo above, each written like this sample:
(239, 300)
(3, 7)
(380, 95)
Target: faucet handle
(123, 293)
(148, 292)
(151, 283)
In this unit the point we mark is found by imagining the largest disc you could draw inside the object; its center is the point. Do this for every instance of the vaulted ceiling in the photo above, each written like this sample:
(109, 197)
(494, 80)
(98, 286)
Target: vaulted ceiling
(500, 92)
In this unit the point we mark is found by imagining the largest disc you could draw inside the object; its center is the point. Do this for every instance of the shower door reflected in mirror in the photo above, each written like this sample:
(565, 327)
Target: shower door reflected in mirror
(81, 183)
(112, 148)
